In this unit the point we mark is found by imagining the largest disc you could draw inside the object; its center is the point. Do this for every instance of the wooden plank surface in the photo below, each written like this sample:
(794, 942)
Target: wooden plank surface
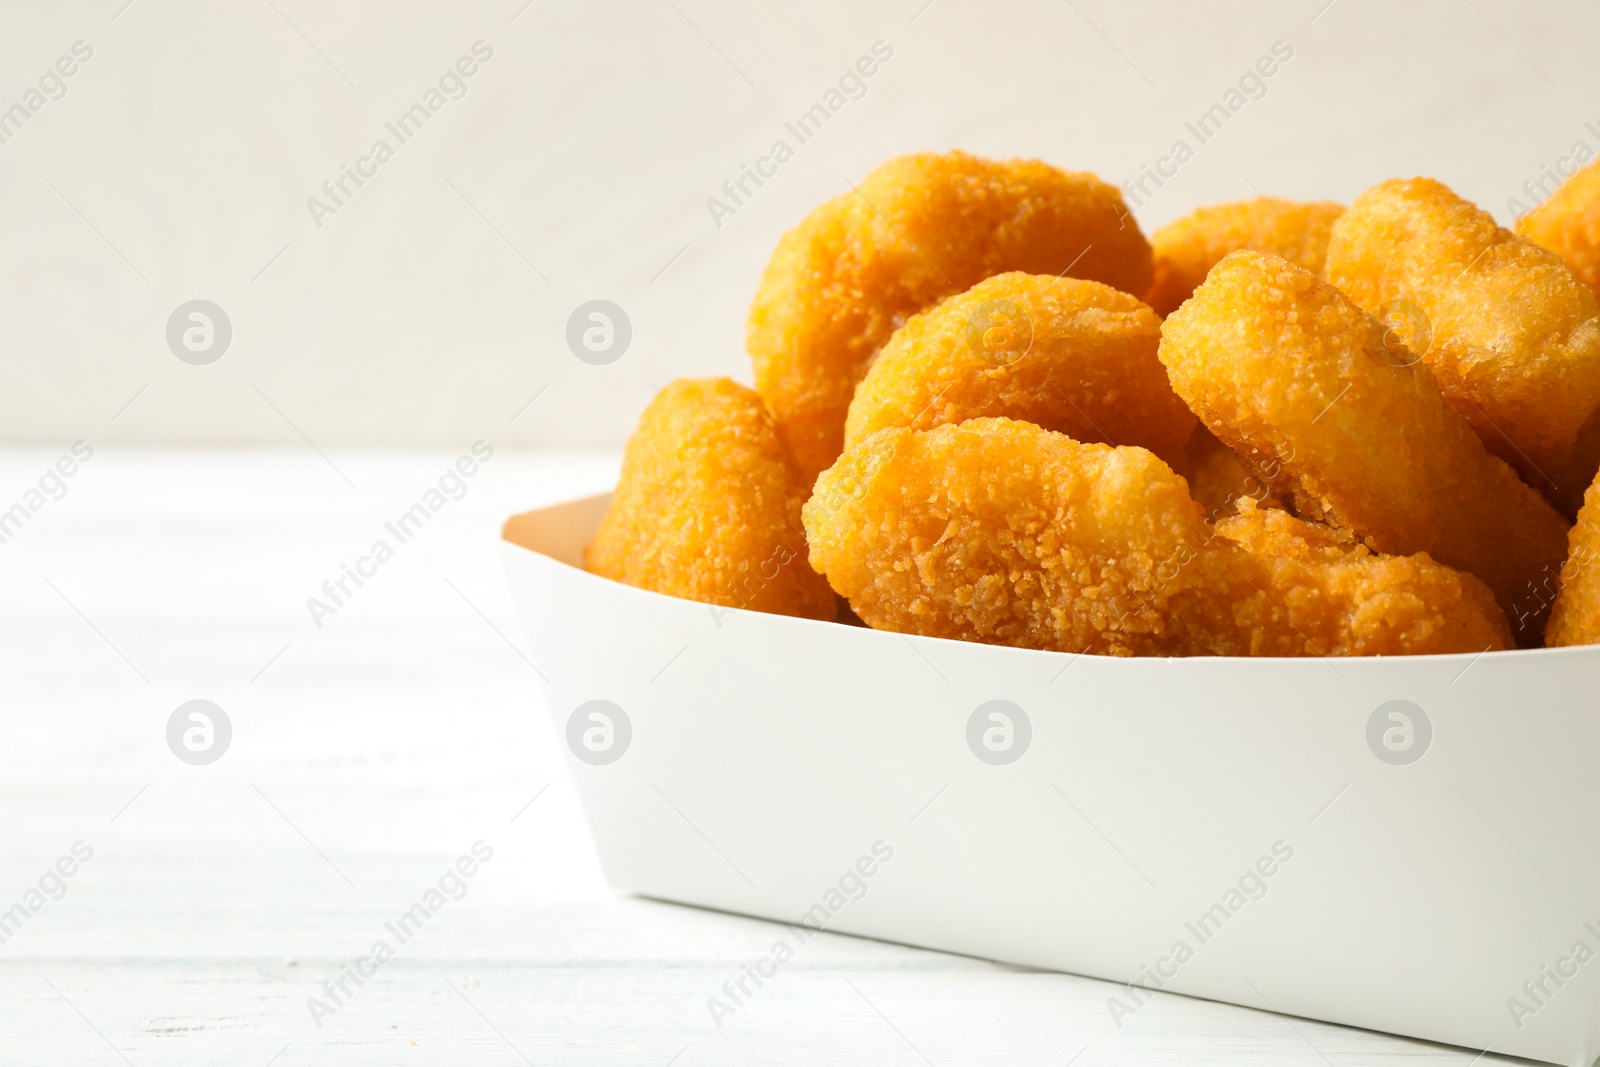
(368, 754)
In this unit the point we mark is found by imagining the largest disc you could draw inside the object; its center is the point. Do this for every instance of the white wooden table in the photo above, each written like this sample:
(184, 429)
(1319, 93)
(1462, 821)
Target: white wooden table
(367, 755)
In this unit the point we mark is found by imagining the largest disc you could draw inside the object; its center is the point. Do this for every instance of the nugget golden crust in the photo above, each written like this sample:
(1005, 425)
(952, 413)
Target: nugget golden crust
(1575, 618)
(708, 506)
(1291, 375)
(1568, 224)
(1186, 250)
(1512, 335)
(996, 530)
(916, 230)
(1070, 355)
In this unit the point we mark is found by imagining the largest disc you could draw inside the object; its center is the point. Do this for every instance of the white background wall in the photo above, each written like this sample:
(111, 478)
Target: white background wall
(432, 307)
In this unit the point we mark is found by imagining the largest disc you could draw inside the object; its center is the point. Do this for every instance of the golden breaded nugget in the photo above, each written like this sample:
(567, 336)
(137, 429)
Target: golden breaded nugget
(1067, 354)
(916, 230)
(1511, 334)
(1186, 250)
(1345, 600)
(1218, 481)
(996, 530)
(1284, 369)
(708, 506)
(1575, 618)
(1568, 224)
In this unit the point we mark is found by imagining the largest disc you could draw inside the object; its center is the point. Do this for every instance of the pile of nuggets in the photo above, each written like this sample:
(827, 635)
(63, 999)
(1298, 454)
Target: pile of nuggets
(988, 408)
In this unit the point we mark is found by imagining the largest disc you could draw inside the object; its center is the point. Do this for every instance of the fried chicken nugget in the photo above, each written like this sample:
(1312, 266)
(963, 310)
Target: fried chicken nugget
(1187, 249)
(918, 229)
(1568, 224)
(1575, 618)
(996, 530)
(1346, 600)
(1287, 372)
(708, 506)
(1511, 334)
(1070, 355)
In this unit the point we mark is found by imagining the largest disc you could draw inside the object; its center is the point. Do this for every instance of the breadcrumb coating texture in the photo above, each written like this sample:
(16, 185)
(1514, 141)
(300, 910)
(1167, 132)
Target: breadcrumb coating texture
(1186, 250)
(1292, 376)
(917, 229)
(708, 506)
(1066, 354)
(1511, 334)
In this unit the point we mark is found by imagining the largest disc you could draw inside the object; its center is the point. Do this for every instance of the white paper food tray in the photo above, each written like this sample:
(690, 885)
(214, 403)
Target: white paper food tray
(1402, 844)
